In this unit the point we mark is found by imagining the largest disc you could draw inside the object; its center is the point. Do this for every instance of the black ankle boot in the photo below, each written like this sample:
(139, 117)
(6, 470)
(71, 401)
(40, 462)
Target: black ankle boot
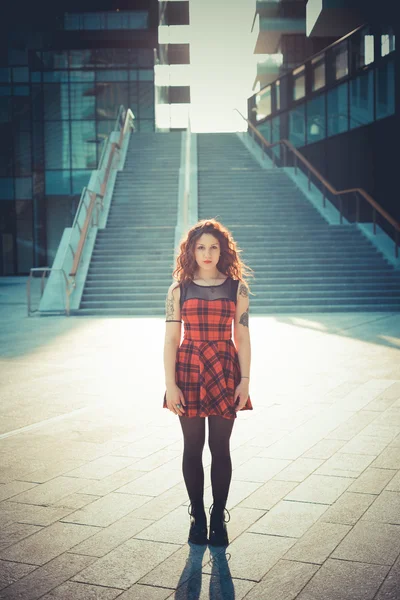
(198, 525)
(218, 532)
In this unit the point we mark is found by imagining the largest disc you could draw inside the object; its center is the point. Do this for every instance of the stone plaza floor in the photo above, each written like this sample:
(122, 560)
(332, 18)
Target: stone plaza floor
(92, 499)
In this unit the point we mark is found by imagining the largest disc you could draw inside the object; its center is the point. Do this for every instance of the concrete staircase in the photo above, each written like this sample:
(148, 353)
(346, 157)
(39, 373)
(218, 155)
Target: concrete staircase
(132, 261)
(300, 262)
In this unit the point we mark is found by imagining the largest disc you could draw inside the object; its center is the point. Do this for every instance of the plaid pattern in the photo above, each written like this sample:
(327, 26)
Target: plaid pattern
(207, 363)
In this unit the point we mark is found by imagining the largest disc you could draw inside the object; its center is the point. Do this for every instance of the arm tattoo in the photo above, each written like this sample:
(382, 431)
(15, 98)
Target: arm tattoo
(244, 319)
(169, 306)
(243, 290)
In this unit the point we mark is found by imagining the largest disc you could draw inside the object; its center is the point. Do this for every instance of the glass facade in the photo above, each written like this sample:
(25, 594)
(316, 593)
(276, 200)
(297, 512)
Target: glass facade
(344, 87)
(56, 109)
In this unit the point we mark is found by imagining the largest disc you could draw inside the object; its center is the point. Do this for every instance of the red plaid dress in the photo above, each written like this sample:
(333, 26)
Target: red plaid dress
(207, 363)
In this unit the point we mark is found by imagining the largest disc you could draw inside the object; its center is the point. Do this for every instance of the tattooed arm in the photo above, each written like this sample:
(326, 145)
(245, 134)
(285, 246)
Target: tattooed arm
(172, 332)
(241, 332)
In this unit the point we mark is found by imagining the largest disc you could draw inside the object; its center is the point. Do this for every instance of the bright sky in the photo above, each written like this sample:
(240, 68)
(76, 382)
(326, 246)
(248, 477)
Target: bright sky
(223, 66)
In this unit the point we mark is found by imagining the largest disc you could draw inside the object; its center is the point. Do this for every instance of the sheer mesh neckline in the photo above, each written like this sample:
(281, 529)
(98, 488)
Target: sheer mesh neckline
(206, 286)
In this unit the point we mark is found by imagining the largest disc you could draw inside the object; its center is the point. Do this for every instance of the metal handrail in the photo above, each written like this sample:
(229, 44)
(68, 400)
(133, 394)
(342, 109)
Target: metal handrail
(327, 186)
(94, 197)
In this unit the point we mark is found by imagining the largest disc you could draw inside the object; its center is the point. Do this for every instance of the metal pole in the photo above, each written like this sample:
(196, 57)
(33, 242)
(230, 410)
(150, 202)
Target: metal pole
(341, 209)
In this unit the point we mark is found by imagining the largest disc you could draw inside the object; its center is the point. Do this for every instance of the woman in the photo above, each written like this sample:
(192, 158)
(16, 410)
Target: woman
(207, 375)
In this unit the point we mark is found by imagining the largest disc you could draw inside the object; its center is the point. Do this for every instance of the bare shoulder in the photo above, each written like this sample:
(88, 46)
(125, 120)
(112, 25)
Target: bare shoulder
(174, 290)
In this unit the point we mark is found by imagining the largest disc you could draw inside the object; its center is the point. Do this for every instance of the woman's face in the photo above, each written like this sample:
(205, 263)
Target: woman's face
(207, 251)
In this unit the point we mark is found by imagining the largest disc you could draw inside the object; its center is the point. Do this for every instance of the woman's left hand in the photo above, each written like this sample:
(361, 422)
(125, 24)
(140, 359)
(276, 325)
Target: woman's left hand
(241, 394)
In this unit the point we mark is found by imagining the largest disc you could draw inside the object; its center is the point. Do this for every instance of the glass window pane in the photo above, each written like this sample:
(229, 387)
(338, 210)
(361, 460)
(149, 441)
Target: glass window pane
(388, 42)
(318, 80)
(6, 157)
(36, 77)
(276, 129)
(145, 57)
(20, 74)
(22, 153)
(83, 101)
(297, 130)
(6, 188)
(82, 58)
(55, 59)
(5, 90)
(338, 107)
(146, 125)
(115, 75)
(17, 57)
(263, 104)
(5, 76)
(23, 188)
(84, 143)
(110, 96)
(80, 179)
(385, 93)
(81, 76)
(21, 113)
(113, 57)
(5, 109)
(58, 183)
(316, 119)
(56, 102)
(361, 100)
(146, 100)
(299, 87)
(265, 130)
(21, 90)
(38, 146)
(146, 75)
(341, 62)
(24, 224)
(93, 21)
(55, 76)
(57, 145)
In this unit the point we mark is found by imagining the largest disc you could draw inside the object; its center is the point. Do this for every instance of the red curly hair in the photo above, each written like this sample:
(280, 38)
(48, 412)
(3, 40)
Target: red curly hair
(229, 263)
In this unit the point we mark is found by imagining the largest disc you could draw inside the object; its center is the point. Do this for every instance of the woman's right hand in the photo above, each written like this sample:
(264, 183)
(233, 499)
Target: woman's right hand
(174, 396)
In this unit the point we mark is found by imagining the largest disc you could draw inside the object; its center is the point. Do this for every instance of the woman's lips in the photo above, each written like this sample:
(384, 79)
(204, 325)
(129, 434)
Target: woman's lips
(207, 261)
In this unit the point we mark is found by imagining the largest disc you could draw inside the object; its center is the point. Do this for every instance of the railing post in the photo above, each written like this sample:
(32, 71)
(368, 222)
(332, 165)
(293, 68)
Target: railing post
(374, 219)
(295, 164)
(284, 156)
(324, 197)
(309, 181)
(396, 243)
(341, 208)
(273, 158)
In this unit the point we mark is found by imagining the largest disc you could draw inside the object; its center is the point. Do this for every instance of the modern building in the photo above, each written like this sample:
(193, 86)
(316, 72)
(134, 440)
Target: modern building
(338, 106)
(63, 77)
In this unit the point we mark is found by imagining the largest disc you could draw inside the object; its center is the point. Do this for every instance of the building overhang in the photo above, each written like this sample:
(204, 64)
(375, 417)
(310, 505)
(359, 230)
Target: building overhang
(331, 18)
(270, 30)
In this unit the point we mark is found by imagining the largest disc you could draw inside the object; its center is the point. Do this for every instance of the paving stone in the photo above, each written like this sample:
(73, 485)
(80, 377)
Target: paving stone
(156, 459)
(158, 507)
(394, 483)
(252, 555)
(318, 543)
(217, 585)
(238, 490)
(388, 459)
(283, 582)
(113, 482)
(51, 491)
(345, 465)
(13, 512)
(269, 494)
(143, 447)
(15, 532)
(345, 580)
(43, 579)
(81, 591)
(354, 424)
(320, 489)
(101, 467)
(128, 563)
(390, 589)
(13, 488)
(145, 592)
(53, 469)
(373, 481)
(290, 519)
(11, 572)
(324, 449)
(106, 510)
(173, 528)
(375, 543)
(385, 509)
(348, 509)
(47, 543)
(364, 444)
(112, 536)
(259, 469)
(75, 501)
(155, 482)
(299, 469)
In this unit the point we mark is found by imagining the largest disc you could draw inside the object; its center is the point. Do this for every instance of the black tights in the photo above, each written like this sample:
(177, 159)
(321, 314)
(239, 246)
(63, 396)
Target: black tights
(219, 432)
